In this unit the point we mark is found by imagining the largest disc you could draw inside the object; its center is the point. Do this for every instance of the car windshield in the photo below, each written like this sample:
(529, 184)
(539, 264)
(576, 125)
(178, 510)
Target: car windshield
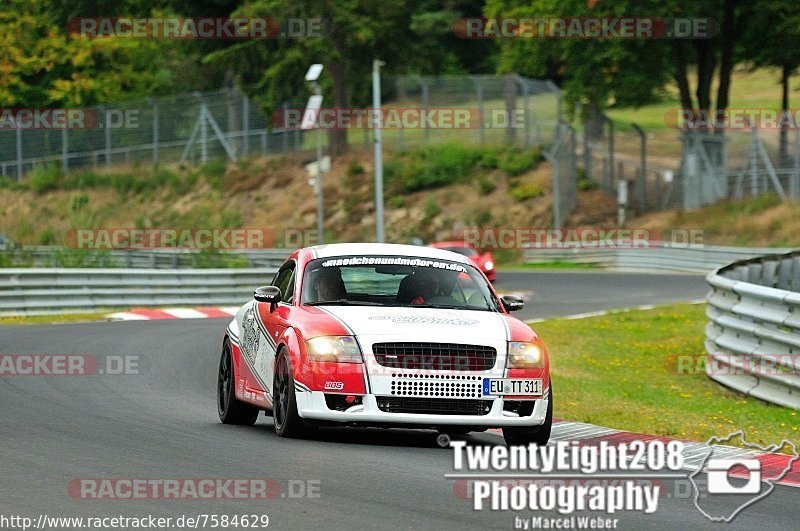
(466, 251)
(396, 281)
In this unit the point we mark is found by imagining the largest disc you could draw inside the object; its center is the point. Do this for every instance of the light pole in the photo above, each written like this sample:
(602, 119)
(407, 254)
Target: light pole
(311, 76)
(377, 124)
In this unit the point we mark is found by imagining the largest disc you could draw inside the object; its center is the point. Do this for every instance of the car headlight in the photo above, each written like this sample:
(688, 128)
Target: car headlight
(489, 266)
(523, 355)
(341, 349)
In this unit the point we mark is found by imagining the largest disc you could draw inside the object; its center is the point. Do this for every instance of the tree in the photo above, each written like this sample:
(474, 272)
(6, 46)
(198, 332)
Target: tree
(45, 66)
(594, 73)
(408, 36)
(775, 42)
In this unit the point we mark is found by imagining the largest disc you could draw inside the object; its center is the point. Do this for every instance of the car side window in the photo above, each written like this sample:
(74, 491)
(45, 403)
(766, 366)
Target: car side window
(284, 281)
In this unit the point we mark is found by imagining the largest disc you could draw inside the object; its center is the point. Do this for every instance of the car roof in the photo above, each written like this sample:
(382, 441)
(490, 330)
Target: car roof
(384, 249)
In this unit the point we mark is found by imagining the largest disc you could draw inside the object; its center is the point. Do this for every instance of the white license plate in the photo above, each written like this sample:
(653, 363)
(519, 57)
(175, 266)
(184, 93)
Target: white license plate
(512, 386)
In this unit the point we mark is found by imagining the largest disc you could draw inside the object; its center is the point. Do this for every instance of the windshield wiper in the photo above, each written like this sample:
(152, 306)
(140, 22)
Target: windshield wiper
(343, 302)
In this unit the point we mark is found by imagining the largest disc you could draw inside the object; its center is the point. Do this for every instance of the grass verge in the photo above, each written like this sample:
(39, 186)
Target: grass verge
(622, 371)
(55, 318)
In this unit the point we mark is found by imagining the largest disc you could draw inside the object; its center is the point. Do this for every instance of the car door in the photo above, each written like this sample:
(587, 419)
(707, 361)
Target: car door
(273, 323)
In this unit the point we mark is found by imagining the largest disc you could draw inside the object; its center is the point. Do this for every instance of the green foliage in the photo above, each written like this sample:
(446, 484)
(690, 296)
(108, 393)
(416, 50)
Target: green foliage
(214, 172)
(515, 161)
(44, 177)
(486, 185)
(354, 168)
(47, 237)
(78, 202)
(482, 217)
(525, 191)
(432, 167)
(430, 210)
(397, 201)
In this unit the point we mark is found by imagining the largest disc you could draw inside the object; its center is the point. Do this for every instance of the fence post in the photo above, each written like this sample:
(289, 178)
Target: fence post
(64, 150)
(794, 182)
(525, 92)
(108, 137)
(611, 134)
(155, 133)
(285, 127)
(479, 97)
(203, 134)
(425, 104)
(19, 153)
(245, 125)
(642, 192)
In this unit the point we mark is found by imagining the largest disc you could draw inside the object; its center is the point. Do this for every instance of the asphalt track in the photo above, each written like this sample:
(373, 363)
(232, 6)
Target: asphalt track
(162, 423)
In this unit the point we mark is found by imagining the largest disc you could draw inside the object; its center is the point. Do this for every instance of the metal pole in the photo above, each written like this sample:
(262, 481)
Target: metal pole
(155, 134)
(203, 135)
(795, 181)
(318, 178)
(19, 153)
(642, 169)
(246, 125)
(380, 236)
(108, 137)
(285, 127)
(64, 150)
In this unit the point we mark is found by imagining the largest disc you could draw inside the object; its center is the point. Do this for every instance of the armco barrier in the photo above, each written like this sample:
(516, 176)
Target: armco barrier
(690, 259)
(42, 291)
(753, 332)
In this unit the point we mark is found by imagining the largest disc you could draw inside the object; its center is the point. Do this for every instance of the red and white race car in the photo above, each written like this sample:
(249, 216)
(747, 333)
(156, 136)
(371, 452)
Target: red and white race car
(384, 335)
(484, 260)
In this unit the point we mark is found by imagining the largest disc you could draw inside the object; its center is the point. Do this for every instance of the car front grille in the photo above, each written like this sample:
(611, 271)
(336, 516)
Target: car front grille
(435, 356)
(434, 406)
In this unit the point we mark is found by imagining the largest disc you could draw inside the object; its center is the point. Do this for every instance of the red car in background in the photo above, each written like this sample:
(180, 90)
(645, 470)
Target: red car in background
(483, 261)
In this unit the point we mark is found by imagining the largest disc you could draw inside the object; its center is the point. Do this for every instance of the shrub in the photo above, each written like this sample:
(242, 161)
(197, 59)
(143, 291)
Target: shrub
(354, 168)
(44, 177)
(516, 162)
(397, 201)
(431, 209)
(524, 191)
(486, 186)
(78, 202)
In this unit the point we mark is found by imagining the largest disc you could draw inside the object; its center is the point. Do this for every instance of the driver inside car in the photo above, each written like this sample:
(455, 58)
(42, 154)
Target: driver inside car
(328, 284)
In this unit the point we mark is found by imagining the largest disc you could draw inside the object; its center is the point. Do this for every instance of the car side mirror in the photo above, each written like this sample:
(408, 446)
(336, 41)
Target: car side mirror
(512, 303)
(270, 294)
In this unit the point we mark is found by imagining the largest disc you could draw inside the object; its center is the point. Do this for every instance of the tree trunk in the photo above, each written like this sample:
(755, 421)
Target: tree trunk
(679, 58)
(594, 122)
(706, 63)
(728, 37)
(337, 137)
(510, 93)
(784, 139)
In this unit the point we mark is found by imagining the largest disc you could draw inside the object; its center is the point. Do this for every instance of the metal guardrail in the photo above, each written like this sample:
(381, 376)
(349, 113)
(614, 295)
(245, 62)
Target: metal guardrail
(753, 332)
(689, 259)
(43, 291)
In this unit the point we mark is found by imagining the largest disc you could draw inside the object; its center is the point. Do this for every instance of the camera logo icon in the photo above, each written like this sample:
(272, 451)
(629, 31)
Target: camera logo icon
(718, 474)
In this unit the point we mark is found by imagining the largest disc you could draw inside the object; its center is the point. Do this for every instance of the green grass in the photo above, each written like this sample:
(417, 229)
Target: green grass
(622, 370)
(56, 318)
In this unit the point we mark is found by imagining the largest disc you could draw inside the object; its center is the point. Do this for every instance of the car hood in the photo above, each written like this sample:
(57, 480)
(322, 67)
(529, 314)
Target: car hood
(454, 325)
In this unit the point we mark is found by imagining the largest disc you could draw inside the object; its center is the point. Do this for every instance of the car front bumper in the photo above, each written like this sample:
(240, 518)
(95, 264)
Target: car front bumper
(312, 405)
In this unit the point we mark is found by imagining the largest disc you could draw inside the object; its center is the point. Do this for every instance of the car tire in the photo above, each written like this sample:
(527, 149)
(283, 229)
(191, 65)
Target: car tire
(288, 422)
(536, 434)
(230, 409)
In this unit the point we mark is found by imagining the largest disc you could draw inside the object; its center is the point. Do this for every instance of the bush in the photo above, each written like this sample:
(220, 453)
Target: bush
(78, 202)
(516, 162)
(431, 209)
(214, 172)
(587, 184)
(44, 177)
(397, 201)
(524, 191)
(432, 167)
(354, 168)
(486, 186)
